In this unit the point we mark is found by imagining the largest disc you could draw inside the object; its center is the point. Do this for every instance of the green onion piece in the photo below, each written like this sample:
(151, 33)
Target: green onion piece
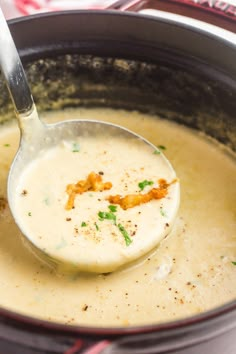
(104, 215)
(144, 184)
(234, 263)
(127, 238)
(113, 208)
(96, 225)
(162, 147)
(75, 147)
(83, 224)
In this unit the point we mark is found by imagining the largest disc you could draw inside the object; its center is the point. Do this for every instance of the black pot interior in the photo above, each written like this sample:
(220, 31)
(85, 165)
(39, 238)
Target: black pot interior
(86, 63)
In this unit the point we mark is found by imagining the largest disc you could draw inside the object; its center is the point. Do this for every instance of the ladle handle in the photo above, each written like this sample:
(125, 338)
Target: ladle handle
(13, 71)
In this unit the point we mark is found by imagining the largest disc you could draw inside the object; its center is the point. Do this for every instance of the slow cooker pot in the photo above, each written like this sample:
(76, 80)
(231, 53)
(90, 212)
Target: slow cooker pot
(129, 61)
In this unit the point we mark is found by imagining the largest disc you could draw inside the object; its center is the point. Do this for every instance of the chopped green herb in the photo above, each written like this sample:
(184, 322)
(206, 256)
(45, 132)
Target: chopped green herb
(144, 184)
(163, 212)
(156, 152)
(113, 208)
(83, 224)
(96, 225)
(29, 213)
(234, 263)
(104, 215)
(127, 238)
(6, 145)
(75, 147)
(162, 147)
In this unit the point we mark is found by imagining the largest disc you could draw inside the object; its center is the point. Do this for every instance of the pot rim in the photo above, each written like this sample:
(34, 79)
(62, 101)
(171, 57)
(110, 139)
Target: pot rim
(197, 320)
(204, 318)
(161, 16)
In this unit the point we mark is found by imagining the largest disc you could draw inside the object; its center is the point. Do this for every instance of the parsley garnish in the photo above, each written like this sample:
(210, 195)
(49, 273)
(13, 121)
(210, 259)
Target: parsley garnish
(161, 147)
(75, 147)
(128, 240)
(83, 224)
(144, 184)
(104, 215)
(96, 225)
(234, 263)
(113, 208)
(156, 152)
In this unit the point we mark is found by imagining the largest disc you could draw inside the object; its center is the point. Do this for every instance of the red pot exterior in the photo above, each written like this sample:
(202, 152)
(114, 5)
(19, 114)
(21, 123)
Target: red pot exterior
(219, 13)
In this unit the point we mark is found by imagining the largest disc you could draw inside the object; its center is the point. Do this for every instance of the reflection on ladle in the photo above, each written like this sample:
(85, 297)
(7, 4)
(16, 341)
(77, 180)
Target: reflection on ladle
(101, 245)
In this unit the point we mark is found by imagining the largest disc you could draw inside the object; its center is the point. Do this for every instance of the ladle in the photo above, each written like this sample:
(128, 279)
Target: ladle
(37, 138)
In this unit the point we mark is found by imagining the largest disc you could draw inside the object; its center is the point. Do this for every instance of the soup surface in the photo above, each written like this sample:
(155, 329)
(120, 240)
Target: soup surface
(112, 199)
(192, 270)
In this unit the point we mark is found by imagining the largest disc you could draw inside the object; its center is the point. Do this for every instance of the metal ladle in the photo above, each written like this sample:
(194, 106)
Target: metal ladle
(37, 137)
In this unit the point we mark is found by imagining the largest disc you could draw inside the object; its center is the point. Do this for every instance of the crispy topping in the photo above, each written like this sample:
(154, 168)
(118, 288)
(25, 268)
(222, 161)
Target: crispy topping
(93, 183)
(132, 200)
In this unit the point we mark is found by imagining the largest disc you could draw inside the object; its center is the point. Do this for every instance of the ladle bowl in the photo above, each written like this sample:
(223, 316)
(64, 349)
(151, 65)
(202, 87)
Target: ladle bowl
(37, 137)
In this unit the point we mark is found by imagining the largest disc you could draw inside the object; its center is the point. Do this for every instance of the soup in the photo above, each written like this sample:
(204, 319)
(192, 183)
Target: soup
(112, 199)
(191, 271)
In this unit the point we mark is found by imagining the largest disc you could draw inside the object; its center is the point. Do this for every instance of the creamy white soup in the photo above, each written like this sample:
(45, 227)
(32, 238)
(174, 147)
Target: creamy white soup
(191, 271)
(97, 203)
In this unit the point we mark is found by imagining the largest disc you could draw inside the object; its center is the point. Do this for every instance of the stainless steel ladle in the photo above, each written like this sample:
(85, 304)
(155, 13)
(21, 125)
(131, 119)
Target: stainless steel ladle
(36, 136)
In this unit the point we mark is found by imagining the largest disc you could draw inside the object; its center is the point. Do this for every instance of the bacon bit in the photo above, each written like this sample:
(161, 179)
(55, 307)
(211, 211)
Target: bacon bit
(92, 183)
(132, 200)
